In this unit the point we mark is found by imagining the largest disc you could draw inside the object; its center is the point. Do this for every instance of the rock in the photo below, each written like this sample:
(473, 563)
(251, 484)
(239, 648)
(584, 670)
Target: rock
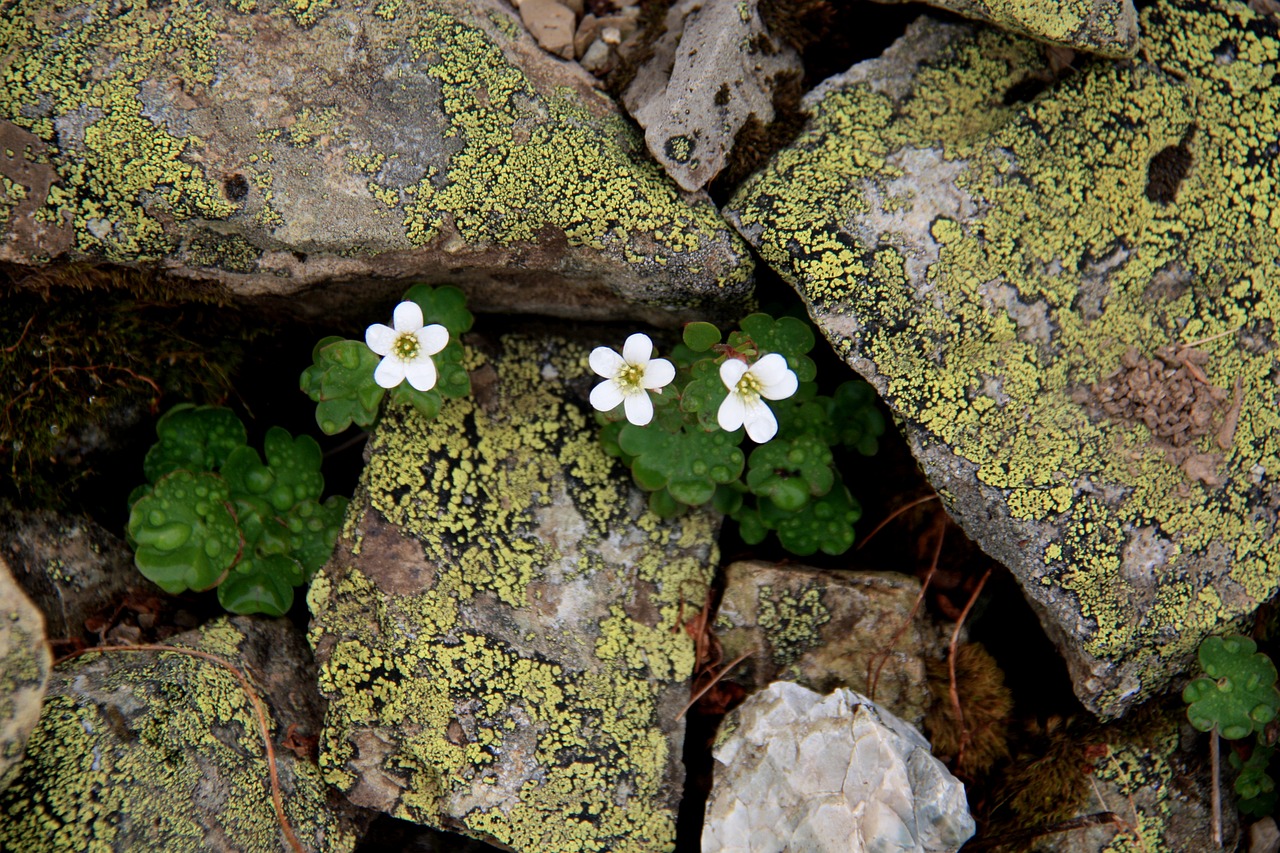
(499, 630)
(1151, 771)
(551, 24)
(24, 672)
(163, 751)
(1264, 837)
(802, 771)
(1105, 27)
(826, 629)
(988, 258)
(714, 69)
(71, 567)
(328, 150)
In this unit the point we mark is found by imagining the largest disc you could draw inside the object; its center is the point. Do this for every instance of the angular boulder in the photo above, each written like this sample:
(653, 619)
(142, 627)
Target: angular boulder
(500, 630)
(159, 750)
(1104, 27)
(24, 672)
(339, 149)
(1068, 291)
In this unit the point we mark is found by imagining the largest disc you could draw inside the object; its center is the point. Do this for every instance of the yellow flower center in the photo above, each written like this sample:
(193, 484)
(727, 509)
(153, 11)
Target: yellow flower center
(406, 346)
(748, 387)
(631, 376)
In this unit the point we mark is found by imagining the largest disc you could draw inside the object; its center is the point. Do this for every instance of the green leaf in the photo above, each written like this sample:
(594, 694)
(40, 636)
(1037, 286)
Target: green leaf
(663, 505)
(263, 586)
(184, 530)
(857, 418)
(689, 463)
(1239, 694)
(790, 471)
(704, 392)
(426, 403)
(825, 524)
(788, 336)
(700, 336)
(341, 383)
(313, 530)
(444, 305)
(193, 438)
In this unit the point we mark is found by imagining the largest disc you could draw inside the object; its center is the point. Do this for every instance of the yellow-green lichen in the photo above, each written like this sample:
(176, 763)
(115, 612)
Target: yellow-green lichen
(508, 692)
(792, 622)
(126, 746)
(121, 172)
(1055, 246)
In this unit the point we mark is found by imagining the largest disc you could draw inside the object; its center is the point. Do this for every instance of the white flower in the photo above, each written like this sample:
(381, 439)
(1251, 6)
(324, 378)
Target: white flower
(406, 350)
(770, 378)
(629, 378)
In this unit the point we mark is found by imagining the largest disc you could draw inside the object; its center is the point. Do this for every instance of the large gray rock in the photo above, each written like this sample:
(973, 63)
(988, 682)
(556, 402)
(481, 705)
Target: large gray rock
(1104, 27)
(277, 149)
(797, 770)
(163, 751)
(825, 629)
(499, 631)
(715, 68)
(1071, 301)
(24, 672)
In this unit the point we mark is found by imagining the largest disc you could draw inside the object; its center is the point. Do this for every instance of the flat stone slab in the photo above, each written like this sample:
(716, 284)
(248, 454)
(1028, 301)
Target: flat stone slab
(1068, 294)
(1105, 27)
(24, 672)
(500, 631)
(156, 750)
(340, 149)
(825, 629)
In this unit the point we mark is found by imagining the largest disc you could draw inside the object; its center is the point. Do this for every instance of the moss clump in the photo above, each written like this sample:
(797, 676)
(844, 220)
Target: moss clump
(981, 738)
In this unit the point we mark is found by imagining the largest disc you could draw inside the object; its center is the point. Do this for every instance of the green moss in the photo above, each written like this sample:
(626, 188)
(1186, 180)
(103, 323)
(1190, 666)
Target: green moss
(119, 767)
(511, 506)
(1048, 198)
(119, 160)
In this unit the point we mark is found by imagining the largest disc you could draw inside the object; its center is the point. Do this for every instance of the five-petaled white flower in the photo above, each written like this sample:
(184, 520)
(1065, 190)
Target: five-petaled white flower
(770, 378)
(406, 350)
(629, 378)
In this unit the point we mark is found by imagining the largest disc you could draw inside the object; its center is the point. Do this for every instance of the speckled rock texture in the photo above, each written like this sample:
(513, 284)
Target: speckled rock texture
(715, 68)
(796, 770)
(163, 751)
(500, 630)
(70, 566)
(341, 149)
(24, 672)
(1000, 263)
(825, 629)
(1104, 27)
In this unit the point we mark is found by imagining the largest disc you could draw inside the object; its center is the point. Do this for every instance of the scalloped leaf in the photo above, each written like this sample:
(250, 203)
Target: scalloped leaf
(263, 586)
(689, 463)
(185, 533)
(341, 383)
(1239, 694)
(445, 305)
(700, 336)
(193, 438)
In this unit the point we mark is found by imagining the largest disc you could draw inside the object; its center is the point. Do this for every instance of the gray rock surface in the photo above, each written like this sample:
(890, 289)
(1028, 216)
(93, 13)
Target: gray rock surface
(159, 750)
(24, 672)
(499, 630)
(797, 770)
(825, 629)
(337, 150)
(71, 567)
(1067, 291)
(715, 68)
(1105, 27)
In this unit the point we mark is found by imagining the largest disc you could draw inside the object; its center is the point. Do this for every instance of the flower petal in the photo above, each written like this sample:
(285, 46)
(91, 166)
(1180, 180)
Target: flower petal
(638, 349)
(777, 381)
(408, 317)
(606, 396)
(607, 363)
(731, 412)
(639, 408)
(389, 372)
(421, 373)
(433, 338)
(730, 372)
(380, 338)
(760, 422)
(658, 372)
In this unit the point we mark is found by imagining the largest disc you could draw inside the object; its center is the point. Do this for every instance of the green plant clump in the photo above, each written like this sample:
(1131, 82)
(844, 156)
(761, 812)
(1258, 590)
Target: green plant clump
(341, 379)
(215, 515)
(790, 485)
(1238, 697)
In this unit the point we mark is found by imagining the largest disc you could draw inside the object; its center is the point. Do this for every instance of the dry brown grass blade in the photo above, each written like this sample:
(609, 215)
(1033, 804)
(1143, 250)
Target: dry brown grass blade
(951, 665)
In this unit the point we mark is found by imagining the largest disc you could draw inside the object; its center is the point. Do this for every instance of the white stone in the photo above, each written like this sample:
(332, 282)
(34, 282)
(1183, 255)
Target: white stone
(803, 771)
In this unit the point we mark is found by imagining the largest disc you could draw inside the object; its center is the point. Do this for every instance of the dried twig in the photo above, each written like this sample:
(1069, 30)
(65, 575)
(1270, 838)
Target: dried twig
(873, 680)
(240, 677)
(891, 516)
(712, 683)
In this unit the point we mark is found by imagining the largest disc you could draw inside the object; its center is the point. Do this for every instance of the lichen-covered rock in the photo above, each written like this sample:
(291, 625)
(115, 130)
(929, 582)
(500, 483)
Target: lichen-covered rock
(163, 751)
(715, 68)
(499, 631)
(274, 147)
(24, 672)
(796, 770)
(825, 629)
(1105, 27)
(1014, 275)
(70, 566)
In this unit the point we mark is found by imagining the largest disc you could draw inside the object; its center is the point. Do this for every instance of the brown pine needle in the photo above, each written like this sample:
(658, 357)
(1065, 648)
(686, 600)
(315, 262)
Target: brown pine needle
(891, 516)
(873, 681)
(951, 665)
(712, 683)
(276, 797)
